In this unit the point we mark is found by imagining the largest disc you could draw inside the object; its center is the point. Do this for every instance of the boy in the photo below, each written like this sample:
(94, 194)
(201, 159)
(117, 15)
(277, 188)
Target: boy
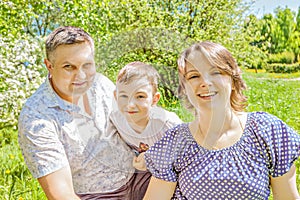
(138, 120)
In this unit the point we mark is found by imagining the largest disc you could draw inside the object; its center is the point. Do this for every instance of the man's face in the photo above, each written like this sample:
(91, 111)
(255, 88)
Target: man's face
(72, 69)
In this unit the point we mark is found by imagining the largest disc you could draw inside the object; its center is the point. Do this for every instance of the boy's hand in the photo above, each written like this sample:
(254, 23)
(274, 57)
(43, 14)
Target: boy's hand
(139, 162)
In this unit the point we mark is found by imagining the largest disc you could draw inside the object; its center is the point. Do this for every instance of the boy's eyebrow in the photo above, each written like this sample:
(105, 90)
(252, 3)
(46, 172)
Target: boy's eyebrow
(122, 91)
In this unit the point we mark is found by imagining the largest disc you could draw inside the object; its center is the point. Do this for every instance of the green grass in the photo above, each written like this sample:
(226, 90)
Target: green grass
(267, 92)
(16, 181)
(276, 94)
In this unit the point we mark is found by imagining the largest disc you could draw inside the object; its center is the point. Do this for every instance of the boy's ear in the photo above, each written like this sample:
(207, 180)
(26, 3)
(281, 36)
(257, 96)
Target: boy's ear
(115, 94)
(156, 98)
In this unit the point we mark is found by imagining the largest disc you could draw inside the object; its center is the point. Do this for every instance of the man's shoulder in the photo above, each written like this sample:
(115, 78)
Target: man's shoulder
(38, 98)
(103, 82)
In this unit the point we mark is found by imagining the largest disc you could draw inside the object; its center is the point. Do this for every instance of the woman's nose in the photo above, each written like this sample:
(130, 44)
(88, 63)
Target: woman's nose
(205, 82)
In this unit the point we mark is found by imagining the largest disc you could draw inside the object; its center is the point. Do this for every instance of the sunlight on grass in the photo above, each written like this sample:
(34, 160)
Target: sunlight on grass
(261, 73)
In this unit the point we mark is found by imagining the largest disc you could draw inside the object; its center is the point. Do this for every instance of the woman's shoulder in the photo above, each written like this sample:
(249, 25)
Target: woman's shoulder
(179, 134)
(268, 126)
(264, 118)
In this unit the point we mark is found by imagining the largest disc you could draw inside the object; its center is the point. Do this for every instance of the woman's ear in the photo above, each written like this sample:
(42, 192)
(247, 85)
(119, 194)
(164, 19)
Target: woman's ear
(156, 98)
(232, 85)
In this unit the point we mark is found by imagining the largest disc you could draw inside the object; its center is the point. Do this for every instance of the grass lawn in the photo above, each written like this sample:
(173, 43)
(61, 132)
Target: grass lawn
(272, 93)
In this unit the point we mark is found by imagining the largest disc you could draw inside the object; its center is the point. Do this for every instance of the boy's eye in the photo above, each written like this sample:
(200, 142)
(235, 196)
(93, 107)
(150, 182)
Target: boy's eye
(123, 96)
(141, 96)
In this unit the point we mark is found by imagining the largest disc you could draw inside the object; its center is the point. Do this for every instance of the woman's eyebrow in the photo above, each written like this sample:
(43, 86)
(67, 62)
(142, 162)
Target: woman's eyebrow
(193, 70)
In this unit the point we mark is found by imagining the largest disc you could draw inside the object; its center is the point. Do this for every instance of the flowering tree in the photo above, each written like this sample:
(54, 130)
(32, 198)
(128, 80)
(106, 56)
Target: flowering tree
(21, 71)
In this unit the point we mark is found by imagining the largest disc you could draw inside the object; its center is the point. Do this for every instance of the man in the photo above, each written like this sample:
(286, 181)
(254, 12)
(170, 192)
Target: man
(62, 124)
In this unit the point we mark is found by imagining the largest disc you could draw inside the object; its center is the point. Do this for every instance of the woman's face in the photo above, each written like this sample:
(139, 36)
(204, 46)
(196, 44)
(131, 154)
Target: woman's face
(207, 86)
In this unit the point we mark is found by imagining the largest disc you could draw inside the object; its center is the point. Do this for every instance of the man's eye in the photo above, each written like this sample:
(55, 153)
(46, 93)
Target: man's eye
(123, 96)
(87, 65)
(68, 66)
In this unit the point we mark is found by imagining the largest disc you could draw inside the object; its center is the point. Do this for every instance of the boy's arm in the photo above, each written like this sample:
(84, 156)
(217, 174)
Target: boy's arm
(58, 185)
(139, 162)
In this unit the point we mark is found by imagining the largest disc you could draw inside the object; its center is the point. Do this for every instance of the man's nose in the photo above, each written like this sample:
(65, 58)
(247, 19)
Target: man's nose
(81, 74)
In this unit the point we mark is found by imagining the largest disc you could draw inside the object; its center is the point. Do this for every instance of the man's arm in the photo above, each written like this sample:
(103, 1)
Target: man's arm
(160, 189)
(284, 187)
(58, 185)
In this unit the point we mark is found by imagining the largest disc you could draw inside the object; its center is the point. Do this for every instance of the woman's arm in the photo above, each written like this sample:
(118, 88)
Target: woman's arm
(284, 187)
(58, 185)
(160, 189)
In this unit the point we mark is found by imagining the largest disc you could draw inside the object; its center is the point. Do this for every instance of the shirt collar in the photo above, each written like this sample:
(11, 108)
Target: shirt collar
(57, 101)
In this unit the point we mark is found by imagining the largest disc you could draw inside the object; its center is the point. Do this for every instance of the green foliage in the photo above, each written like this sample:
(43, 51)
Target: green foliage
(153, 31)
(276, 34)
(282, 68)
(284, 57)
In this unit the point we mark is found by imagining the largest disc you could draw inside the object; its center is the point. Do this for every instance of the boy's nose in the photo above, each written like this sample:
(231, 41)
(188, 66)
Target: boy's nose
(130, 103)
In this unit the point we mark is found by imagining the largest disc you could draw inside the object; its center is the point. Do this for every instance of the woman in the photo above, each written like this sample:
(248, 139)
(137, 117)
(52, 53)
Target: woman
(225, 153)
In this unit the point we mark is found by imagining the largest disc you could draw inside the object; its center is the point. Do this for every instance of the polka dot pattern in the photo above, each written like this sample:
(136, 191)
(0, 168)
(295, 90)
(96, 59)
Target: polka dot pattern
(268, 147)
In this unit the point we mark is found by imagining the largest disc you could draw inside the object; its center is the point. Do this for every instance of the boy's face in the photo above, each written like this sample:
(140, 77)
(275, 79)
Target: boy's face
(135, 101)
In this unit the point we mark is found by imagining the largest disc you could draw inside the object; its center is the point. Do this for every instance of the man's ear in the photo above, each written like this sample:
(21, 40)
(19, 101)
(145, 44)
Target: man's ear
(48, 64)
(156, 98)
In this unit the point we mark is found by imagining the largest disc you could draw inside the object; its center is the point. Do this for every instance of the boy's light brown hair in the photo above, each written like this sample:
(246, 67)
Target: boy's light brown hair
(137, 70)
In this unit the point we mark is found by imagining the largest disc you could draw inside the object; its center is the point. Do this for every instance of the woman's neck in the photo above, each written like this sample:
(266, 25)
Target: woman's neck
(215, 121)
(218, 129)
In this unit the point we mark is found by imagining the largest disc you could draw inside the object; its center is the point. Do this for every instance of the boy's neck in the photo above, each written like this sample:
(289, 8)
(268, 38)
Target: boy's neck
(139, 127)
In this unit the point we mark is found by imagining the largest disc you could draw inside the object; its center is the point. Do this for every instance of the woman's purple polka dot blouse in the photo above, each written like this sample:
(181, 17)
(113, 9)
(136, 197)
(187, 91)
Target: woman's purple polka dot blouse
(268, 147)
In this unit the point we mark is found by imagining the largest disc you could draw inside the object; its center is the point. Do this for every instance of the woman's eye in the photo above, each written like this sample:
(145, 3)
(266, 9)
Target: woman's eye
(123, 96)
(193, 76)
(217, 72)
